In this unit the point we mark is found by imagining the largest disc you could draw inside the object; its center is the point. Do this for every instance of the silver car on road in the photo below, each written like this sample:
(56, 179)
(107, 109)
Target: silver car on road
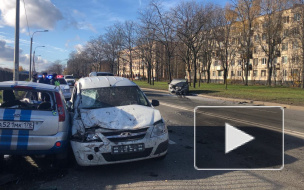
(33, 119)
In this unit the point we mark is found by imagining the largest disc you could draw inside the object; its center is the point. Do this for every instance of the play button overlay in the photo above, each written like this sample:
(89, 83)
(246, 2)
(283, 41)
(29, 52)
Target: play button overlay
(235, 138)
(238, 138)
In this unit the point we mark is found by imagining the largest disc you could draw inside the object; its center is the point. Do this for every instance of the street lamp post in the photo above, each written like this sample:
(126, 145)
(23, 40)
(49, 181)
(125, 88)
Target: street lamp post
(34, 57)
(30, 71)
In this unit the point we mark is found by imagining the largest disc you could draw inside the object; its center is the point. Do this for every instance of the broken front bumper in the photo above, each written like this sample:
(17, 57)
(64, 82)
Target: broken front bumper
(100, 153)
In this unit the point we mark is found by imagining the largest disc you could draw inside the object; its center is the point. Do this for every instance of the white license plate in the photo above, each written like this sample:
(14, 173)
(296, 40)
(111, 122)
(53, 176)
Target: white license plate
(16, 125)
(122, 149)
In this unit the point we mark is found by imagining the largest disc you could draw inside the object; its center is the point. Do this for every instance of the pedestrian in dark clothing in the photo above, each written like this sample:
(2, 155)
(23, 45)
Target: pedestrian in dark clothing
(34, 78)
(44, 79)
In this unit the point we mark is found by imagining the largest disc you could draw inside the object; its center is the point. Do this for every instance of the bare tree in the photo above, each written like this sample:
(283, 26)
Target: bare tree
(271, 32)
(226, 51)
(94, 49)
(79, 64)
(298, 32)
(191, 19)
(129, 42)
(56, 67)
(113, 46)
(247, 11)
(163, 25)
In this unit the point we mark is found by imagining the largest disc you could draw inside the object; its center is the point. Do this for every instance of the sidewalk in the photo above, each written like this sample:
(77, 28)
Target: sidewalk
(261, 103)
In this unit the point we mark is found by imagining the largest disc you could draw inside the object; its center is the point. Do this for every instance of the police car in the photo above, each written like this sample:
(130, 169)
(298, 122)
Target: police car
(33, 119)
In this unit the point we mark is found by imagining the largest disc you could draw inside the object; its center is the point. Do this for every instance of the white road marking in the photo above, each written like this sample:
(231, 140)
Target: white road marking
(286, 131)
(172, 142)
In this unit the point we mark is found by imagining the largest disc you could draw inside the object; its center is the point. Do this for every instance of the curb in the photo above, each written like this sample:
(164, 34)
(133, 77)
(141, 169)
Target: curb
(260, 103)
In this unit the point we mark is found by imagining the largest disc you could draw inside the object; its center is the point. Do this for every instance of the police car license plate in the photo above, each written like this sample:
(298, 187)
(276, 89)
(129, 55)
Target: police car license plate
(16, 125)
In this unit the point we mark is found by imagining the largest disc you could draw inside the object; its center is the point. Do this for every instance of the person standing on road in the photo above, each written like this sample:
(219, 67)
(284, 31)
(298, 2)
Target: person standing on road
(34, 78)
(44, 79)
(54, 80)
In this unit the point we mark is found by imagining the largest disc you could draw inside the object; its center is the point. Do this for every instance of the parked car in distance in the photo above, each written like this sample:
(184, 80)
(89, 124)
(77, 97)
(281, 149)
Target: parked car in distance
(65, 88)
(179, 86)
(33, 119)
(113, 122)
(69, 79)
(100, 74)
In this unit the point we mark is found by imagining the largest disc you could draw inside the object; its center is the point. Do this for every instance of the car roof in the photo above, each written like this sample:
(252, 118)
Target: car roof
(104, 81)
(35, 85)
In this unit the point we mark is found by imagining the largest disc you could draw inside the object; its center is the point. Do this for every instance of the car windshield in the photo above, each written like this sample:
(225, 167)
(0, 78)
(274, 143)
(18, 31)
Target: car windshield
(105, 74)
(69, 77)
(62, 81)
(112, 97)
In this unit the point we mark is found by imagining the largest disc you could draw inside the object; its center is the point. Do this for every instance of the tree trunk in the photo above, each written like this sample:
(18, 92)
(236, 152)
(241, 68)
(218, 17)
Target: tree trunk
(302, 86)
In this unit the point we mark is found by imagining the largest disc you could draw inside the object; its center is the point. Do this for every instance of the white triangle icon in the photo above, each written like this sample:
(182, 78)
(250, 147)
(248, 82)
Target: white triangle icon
(235, 138)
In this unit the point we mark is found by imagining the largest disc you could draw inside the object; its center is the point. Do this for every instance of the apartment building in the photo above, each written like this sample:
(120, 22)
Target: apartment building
(288, 62)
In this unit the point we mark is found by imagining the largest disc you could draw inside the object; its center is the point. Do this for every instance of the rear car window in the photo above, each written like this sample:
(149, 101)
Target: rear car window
(105, 74)
(26, 99)
(62, 81)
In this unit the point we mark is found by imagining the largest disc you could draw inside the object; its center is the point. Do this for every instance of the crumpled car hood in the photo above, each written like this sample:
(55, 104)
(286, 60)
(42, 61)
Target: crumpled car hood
(122, 117)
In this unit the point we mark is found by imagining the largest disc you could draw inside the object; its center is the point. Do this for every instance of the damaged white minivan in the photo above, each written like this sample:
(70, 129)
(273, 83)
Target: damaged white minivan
(113, 122)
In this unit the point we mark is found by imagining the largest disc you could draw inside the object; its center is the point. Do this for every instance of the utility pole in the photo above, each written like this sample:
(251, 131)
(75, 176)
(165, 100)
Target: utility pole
(16, 54)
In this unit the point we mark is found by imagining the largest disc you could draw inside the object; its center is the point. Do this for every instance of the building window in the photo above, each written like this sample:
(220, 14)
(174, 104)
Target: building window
(284, 59)
(295, 31)
(232, 73)
(286, 19)
(295, 59)
(295, 72)
(263, 73)
(284, 73)
(239, 62)
(232, 62)
(256, 38)
(255, 73)
(213, 73)
(297, 17)
(285, 33)
(264, 61)
(220, 73)
(216, 63)
(255, 50)
(239, 73)
(295, 45)
(264, 36)
(255, 61)
(284, 46)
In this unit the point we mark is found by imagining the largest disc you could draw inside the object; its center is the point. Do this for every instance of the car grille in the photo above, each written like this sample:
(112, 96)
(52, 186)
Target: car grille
(126, 135)
(109, 157)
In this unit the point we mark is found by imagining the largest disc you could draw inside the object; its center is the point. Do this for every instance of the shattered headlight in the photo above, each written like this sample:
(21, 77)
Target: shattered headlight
(92, 137)
(159, 129)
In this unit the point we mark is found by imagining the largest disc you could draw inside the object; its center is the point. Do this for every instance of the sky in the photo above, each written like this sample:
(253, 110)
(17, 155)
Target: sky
(70, 24)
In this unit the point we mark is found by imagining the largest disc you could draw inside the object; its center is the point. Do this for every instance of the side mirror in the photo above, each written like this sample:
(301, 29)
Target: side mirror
(155, 103)
(69, 106)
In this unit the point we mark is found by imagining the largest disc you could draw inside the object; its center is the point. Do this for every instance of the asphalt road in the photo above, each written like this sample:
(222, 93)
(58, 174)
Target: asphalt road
(177, 170)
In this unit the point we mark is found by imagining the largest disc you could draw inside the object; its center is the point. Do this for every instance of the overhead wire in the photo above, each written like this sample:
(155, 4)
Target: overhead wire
(28, 28)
